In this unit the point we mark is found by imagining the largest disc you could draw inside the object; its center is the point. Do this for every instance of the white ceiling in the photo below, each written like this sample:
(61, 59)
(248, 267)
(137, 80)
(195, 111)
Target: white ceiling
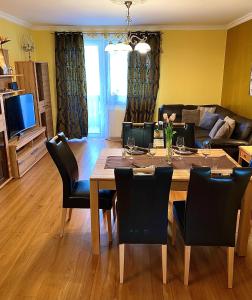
(107, 13)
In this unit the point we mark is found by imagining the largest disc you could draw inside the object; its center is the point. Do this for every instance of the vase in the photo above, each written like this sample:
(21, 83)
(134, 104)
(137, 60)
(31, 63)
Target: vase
(169, 151)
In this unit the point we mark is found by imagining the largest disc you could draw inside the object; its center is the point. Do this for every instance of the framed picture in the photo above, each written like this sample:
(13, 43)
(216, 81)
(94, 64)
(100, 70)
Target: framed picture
(250, 85)
(3, 63)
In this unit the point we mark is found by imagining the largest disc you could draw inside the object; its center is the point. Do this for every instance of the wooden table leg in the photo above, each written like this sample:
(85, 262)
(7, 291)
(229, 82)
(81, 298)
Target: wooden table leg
(239, 158)
(244, 223)
(95, 222)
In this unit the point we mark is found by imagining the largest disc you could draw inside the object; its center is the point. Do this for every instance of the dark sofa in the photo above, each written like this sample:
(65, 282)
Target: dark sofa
(242, 134)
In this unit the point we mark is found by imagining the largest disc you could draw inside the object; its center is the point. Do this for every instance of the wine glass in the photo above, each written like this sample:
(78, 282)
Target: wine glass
(206, 146)
(180, 143)
(151, 150)
(131, 145)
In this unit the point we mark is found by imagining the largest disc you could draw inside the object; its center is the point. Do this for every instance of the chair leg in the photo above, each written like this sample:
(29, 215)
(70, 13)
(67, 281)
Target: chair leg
(174, 232)
(121, 261)
(114, 207)
(69, 214)
(164, 263)
(230, 266)
(108, 217)
(63, 221)
(187, 264)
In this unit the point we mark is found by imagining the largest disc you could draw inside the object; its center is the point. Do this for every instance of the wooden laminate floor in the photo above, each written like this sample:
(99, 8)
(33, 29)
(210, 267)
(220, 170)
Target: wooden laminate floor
(36, 264)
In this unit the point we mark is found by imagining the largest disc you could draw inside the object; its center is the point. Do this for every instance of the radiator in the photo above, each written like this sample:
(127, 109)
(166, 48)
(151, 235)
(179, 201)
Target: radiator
(115, 119)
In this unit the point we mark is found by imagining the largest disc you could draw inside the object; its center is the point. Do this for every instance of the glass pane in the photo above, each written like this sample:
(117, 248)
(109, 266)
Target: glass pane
(118, 73)
(93, 88)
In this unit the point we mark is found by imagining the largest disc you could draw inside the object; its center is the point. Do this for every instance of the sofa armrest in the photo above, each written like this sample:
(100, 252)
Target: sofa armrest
(228, 143)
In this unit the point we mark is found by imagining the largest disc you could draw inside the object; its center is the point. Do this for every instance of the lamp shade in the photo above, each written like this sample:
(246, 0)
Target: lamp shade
(110, 47)
(142, 47)
(123, 47)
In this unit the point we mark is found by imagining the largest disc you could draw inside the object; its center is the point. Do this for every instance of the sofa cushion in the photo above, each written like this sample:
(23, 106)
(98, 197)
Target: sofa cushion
(215, 128)
(223, 132)
(190, 116)
(231, 124)
(208, 120)
(243, 128)
(204, 109)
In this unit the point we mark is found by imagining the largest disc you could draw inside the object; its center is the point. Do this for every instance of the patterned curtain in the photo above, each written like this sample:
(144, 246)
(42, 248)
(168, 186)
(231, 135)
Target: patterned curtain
(71, 84)
(143, 81)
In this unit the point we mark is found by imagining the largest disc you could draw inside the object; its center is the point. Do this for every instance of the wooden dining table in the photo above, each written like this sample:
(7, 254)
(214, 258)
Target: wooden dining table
(103, 178)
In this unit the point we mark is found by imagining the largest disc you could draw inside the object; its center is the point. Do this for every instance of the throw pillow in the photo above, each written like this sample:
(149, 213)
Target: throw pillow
(223, 132)
(215, 128)
(208, 120)
(204, 109)
(231, 124)
(190, 116)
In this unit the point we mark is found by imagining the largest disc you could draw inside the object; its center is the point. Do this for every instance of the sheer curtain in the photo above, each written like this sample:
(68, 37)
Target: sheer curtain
(106, 75)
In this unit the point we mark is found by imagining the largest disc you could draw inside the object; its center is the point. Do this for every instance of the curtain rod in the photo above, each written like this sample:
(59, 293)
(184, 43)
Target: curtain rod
(104, 32)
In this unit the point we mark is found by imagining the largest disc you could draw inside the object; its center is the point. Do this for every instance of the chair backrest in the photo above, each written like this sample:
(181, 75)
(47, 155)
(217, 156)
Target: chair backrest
(142, 132)
(142, 206)
(185, 130)
(250, 163)
(212, 205)
(65, 161)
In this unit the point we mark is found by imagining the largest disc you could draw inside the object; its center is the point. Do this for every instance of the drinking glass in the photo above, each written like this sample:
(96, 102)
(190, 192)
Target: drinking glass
(206, 146)
(180, 143)
(131, 145)
(151, 150)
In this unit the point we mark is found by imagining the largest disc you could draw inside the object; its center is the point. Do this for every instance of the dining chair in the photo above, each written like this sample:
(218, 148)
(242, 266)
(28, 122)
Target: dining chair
(142, 208)
(250, 163)
(143, 133)
(208, 217)
(76, 193)
(186, 130)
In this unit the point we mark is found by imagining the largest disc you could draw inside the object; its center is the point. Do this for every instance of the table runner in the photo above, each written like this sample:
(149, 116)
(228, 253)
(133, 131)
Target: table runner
(221, 162)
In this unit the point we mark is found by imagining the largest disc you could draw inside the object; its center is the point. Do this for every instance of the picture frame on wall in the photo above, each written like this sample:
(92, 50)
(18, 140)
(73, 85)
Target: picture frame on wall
(250, 85)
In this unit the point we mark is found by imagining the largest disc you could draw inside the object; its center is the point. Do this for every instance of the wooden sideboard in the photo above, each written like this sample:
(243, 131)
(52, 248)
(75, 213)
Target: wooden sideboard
(27, 150)
(19, 154)
(35, 80)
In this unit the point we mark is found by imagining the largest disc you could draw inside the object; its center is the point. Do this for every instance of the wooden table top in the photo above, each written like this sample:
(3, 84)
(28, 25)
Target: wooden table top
(247, 149)
(100, 173)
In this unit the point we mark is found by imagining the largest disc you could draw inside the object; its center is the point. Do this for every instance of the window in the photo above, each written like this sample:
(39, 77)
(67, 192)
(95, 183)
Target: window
(106, 75)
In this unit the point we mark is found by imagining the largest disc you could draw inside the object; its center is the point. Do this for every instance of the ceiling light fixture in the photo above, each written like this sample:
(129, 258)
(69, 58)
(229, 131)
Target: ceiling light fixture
(130, 40)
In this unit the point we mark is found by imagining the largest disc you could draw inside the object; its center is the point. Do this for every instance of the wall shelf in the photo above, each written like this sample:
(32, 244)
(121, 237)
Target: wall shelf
(12, 92)
(10, 75)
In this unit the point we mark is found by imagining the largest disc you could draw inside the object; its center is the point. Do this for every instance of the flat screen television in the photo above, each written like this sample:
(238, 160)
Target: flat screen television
(19, 113)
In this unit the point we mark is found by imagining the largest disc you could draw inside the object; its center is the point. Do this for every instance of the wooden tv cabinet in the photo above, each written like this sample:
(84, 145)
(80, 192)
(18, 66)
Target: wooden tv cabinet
(26, 150)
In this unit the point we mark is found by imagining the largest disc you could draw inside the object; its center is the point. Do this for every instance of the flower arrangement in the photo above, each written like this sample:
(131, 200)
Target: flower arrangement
(169, 133)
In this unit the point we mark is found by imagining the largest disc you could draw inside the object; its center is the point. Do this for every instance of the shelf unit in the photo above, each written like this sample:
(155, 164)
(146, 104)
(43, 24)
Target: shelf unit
(12, 92)
(5, 171)
(27, 150)
(5, 165)
(36, 81)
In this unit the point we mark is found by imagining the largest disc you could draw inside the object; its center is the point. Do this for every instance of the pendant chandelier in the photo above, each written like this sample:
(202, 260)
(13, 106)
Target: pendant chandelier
(130, 40)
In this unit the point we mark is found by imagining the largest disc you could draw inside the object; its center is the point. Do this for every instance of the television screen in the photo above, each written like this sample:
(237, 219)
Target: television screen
(20, 114)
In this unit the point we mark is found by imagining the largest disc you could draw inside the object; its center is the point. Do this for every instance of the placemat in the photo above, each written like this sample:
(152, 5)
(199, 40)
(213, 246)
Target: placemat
(221, 162)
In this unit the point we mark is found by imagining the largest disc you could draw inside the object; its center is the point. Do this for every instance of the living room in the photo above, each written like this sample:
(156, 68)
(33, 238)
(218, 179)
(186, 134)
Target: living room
(199, 59)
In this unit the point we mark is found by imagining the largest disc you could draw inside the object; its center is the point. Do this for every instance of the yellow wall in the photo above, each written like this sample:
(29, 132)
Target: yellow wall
(238, 64)
(191, 68)
(15, 33)
(45, 51)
